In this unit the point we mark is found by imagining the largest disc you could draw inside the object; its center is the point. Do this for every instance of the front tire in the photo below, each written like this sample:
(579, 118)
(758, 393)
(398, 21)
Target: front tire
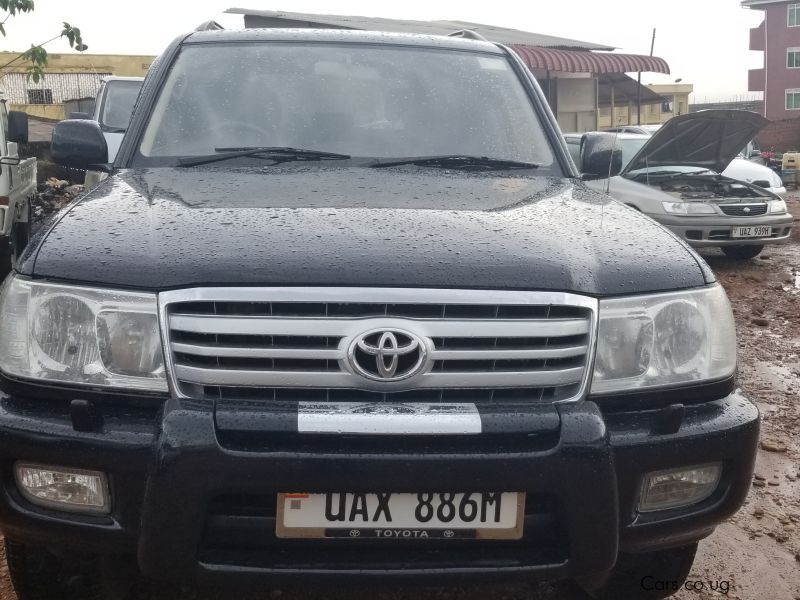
(742, 252)
(649, 576)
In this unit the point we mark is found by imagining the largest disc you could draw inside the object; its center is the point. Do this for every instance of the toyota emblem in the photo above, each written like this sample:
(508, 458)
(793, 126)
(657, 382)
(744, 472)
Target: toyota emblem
(387, 355)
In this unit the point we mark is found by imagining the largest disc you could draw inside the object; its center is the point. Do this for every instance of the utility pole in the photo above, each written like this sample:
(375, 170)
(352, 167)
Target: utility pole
(639, 80)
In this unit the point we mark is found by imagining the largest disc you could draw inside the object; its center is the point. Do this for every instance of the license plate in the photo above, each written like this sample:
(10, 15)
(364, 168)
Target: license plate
(481, 515)
(756, 231)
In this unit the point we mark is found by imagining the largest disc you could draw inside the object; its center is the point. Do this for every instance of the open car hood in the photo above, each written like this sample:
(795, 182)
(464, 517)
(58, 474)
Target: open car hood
(709, 139)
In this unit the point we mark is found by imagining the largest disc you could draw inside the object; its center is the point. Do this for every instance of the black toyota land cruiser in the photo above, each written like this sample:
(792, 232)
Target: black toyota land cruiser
(345, 309)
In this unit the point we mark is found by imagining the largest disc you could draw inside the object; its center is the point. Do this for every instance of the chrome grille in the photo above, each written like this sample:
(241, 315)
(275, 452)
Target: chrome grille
(273, 344)
(743, 210)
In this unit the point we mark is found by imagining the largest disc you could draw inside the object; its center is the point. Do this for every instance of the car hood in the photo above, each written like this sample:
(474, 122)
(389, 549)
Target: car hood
(315, 226)
(709, 139)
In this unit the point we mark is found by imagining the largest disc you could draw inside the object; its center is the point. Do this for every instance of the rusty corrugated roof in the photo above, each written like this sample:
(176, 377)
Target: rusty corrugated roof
(572, 61)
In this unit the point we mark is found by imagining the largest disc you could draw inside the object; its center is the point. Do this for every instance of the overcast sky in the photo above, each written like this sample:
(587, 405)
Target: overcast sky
(705, 42)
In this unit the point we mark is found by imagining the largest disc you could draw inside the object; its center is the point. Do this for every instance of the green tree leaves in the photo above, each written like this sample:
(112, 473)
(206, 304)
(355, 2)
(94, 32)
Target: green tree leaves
(36, 56)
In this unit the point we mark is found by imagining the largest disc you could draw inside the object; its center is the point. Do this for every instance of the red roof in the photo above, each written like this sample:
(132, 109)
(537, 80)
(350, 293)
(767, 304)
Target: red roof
(573, 61)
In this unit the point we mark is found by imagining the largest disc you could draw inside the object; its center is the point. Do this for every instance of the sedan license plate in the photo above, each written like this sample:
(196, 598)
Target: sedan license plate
(752, 231)
(481, 515)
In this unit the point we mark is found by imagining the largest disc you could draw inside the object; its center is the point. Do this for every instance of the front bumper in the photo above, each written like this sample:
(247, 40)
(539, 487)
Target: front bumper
(196, 504)
(715, 230)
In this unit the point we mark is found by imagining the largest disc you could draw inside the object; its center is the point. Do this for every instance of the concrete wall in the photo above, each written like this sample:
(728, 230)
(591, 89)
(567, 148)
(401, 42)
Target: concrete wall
(43, 112)
(782, 135)
(576, 104)
(60, 87)
(68, 76)
(121, 65)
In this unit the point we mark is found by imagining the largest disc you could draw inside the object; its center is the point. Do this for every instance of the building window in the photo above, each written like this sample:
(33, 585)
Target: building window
(40, 96)
(793, 18)
(793, 58)
(793, 99)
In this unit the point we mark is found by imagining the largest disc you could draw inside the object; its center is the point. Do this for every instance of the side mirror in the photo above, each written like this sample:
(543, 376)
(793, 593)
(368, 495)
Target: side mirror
(80, 115)
(755, 154)
(80, 144)
(17, 127)
(601, 155)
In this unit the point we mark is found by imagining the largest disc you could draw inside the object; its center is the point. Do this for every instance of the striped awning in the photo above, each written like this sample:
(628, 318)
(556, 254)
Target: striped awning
(575, 61)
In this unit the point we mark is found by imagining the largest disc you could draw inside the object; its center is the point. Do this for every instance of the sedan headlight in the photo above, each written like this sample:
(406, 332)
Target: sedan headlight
(80, 335)
(664, 340)
(688, 208)
(777, 207)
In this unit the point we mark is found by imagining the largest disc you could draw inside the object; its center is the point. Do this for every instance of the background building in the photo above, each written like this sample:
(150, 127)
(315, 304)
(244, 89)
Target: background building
(778, 37)
(68, 77)
(671, 100)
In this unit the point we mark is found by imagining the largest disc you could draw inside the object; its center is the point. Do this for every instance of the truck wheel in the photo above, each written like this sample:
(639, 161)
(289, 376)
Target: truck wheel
(645, 576)
(742, 252)
(38, 575)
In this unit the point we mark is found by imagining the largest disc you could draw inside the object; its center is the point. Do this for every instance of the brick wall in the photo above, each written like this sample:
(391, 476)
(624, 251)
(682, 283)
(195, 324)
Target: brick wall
(782, 135)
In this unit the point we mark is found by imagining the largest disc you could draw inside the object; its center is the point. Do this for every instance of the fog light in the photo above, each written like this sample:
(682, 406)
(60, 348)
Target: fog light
(676, 488)
(72, 490)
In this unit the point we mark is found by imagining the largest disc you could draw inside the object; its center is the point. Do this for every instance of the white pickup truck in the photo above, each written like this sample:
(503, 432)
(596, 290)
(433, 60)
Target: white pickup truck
(17, 186)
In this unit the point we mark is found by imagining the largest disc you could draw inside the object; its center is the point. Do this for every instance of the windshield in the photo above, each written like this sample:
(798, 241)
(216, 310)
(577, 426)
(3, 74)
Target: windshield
(630, 147)
(358, 100)
(120, 97)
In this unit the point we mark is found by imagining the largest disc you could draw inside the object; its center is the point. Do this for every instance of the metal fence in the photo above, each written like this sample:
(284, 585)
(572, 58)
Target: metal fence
(53, 88)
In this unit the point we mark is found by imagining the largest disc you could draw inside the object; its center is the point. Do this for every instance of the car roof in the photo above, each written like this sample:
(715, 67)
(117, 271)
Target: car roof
(340, 35)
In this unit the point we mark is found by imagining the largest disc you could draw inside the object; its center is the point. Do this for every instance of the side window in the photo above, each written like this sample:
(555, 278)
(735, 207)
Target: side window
(793, 16)
(793, 99)
(793, 58)
(40, 96)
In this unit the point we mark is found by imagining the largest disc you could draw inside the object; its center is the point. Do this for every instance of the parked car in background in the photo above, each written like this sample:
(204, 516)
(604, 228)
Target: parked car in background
(17, 186)
(326, 327)
(680, 166)
(114, 107)
(744, 169)
(112, 110)
(740, 168)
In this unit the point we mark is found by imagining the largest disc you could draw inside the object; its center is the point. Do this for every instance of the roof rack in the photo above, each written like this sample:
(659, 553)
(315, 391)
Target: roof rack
(468, 34)
(209, 26)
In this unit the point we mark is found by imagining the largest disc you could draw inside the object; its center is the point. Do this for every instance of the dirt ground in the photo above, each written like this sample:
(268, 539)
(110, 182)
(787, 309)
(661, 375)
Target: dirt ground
(755, 554)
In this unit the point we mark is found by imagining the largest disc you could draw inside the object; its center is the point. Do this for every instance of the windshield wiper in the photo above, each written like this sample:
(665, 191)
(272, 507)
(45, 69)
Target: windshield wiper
(457, 161)
(278, 154)
(666, 174)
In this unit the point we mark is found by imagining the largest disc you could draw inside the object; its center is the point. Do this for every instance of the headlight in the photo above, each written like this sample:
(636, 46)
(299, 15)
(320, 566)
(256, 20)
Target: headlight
(663, 340)
(688, 208)
(777, 207)
(80, 335)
